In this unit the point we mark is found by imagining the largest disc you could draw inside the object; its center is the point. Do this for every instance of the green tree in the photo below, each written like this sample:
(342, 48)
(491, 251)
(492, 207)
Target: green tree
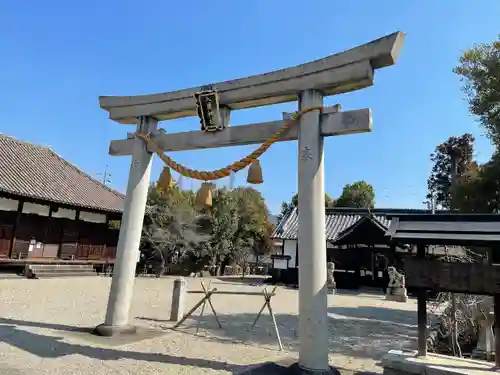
(264, 243)
(172, 228)
(359, 194)
(457, 150)
(467, 194)
(234, 227)
(252, 236)
(477, 189)
(479, 71)
(224, 225)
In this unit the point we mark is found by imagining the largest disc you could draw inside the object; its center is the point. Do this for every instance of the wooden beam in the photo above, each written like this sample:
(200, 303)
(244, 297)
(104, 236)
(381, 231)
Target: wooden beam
(421, 304)
(471, 278)
(332, 123)
(346, 71)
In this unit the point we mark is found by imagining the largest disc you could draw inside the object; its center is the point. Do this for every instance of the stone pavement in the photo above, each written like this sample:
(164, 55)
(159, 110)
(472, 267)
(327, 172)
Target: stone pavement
(44, 327)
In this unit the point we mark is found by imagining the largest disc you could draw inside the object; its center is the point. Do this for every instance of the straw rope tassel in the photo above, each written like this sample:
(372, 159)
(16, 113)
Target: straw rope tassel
(234, 167)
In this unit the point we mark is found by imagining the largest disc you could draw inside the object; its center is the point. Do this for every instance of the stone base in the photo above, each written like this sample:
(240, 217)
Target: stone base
(482, 354)
(286, 367)
(111, 336)
(112, 331)
(397, 362)
(397, 295)
(396, 298)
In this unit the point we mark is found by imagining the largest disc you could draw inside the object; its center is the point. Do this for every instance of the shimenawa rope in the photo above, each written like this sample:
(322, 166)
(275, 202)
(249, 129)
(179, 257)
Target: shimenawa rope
(231, 168)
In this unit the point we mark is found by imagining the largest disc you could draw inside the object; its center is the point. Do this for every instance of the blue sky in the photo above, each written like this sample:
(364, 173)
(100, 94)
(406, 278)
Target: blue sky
(59, 56)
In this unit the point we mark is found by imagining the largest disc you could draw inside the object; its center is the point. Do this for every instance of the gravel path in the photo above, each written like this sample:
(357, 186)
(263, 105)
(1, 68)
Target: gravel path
(37, 315)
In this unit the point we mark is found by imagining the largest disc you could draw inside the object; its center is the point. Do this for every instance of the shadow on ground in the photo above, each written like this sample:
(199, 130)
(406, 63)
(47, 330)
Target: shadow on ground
(45, 346)
(362, 332)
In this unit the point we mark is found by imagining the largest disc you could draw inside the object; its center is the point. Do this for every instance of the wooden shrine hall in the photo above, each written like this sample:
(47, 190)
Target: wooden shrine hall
(357, 243)
(51, 211)
(425, 274)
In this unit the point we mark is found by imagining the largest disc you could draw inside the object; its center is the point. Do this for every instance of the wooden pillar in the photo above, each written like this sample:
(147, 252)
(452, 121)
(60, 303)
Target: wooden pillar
(394, 255)
(16, 226)
(494, 258)
(78, 223)
(422, 311)
(496, 310)
(296, 254)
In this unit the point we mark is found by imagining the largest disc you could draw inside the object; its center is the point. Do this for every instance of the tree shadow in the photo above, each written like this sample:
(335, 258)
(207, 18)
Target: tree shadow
(377, 314)
(45, 346)
(53, 326)
(363, 332)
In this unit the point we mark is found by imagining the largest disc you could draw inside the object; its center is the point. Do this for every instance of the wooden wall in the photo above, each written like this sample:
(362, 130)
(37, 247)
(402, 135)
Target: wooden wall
(7, 223)
(28, 235)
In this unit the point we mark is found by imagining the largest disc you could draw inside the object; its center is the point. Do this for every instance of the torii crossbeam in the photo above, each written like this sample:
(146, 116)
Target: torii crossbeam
(308, 84)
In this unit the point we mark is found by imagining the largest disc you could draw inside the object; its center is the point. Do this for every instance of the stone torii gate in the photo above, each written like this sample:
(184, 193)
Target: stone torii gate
(308, 83)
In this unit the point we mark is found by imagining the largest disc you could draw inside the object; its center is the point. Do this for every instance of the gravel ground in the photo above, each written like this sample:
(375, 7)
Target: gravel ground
(37, 317)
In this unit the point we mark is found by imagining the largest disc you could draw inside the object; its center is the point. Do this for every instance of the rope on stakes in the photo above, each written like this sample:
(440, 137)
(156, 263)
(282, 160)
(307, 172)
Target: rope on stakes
(207, 298)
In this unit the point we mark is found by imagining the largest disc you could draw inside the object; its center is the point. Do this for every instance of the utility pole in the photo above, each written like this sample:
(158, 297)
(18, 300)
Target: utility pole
(105, 175)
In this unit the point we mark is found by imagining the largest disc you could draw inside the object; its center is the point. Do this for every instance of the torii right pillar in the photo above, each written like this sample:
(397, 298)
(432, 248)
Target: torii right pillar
(313, 323)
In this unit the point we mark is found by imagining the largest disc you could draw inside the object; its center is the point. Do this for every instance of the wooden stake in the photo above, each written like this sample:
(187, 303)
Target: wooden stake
(267, 303)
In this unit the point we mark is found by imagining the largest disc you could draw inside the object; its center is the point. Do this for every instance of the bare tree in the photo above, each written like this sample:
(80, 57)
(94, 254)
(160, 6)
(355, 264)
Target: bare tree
(457, 312)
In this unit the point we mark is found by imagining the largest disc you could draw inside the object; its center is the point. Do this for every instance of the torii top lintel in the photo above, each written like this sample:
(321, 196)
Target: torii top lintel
(343, 72)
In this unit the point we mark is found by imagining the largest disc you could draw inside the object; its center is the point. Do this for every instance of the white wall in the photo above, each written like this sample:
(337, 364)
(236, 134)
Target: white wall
(44, 210)
(280, 264)
(290, 250)
(64, 213)
(92, 217)
(8, 204)
(36, 209)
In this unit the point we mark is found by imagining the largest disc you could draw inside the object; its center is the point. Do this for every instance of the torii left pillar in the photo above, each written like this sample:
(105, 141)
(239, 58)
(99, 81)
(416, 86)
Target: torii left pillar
(122, 284)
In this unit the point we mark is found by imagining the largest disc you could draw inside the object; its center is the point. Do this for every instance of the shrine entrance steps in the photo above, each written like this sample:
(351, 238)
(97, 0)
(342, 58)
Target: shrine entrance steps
(39, 271)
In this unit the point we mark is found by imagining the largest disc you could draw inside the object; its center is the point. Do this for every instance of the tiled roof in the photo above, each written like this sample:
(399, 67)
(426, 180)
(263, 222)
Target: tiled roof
(338, 220)
(38, 172)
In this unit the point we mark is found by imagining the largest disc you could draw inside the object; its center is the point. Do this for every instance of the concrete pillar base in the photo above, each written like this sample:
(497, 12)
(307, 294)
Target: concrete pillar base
(296, 369)
(286, 367)
(113, 331)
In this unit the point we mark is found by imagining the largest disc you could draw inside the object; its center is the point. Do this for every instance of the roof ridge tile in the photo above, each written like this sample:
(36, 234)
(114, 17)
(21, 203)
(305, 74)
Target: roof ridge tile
(36, 171)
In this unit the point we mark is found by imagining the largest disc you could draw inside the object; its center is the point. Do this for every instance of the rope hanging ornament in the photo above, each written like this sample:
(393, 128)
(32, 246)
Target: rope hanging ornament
(204, 195)
(255, 170)
(255, 173)
(165, 180)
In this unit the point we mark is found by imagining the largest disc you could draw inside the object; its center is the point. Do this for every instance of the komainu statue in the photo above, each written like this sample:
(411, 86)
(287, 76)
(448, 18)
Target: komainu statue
(396, 290)
(330, 277)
